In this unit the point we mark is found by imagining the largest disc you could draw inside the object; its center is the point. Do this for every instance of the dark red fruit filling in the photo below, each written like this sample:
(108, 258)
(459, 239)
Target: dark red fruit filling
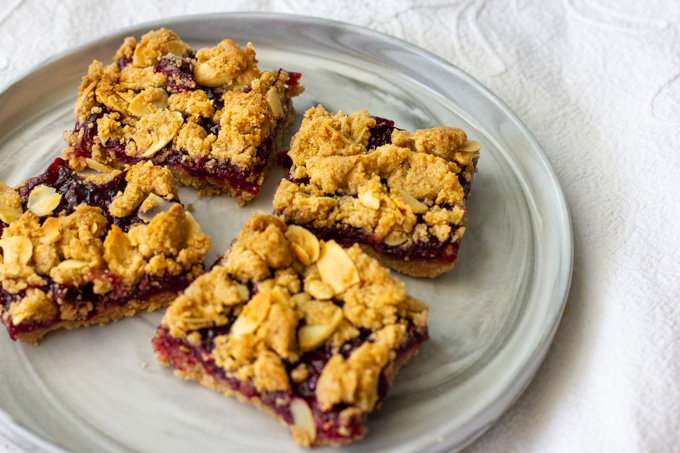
(215, 96)
(182, 355)
(243, 180)
(433, 251)
(75, 191)
(293, 80)
(122, 62)
(79, 296)
(89, 132)
(179, 73)
(381, 134)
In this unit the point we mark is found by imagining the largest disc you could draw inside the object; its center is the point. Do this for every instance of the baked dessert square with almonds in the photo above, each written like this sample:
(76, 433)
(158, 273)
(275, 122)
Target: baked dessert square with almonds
(84, 250)
(210, 115)
(401, 195)
(306, 330)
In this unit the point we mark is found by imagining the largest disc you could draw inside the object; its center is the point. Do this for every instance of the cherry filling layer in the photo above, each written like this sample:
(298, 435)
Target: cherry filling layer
(84, 301)
(331, 428)
(179, 74)
(74, 191)
(432, 251)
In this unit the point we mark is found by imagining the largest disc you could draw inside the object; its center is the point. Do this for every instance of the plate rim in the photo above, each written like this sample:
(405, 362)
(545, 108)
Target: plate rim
(501, 403)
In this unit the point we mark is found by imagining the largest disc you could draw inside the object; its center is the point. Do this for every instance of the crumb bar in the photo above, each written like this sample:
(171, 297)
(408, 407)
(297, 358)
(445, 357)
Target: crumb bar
(209, 115)
(84, 250)
(400, 195)
(307, 331)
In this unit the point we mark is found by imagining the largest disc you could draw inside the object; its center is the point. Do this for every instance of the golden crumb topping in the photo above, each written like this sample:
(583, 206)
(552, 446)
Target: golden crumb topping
(245, 121)
(155, 45)
(403, 192)
(279, 292)
(142, 180)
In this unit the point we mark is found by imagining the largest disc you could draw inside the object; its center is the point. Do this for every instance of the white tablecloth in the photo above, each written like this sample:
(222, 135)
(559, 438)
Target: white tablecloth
(598, 83)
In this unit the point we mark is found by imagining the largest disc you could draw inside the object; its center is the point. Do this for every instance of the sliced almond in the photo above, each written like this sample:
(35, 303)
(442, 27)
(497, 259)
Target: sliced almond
(151, 202)
(303, 420)
(72, 264)
(395, 238)
(416, 206)
(254, 312)
(152, 206)
(304, 244)
(194, 227)
(128, 95)
(149, 101)
(470, 147)
(50, 231)
(176, 47)
(312, 336)
(274, 101)
(320, 290)
(243, 291)
(16, 249)
(301, 254)
(142, 55)
(156, 130)
(369, 199)
(209, 74)
(98, 166)
(43, 200)
(336, 267)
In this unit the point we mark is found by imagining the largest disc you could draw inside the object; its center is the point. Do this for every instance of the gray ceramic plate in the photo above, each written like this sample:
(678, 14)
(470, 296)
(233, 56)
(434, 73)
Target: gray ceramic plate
(492, 317)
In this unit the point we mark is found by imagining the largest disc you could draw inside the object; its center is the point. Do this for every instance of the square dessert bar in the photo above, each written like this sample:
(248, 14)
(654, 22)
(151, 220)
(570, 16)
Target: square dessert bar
(305, 330)
(209, 115)
(78, 251)
(400, 195)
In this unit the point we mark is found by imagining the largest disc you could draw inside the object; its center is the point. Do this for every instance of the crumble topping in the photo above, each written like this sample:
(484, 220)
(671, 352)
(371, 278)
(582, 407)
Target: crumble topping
(246, 121)
(153, 46)
(305, 294)
(226, 64)
(159, 96)
(403, 192)
(84, 247)
(143, 179)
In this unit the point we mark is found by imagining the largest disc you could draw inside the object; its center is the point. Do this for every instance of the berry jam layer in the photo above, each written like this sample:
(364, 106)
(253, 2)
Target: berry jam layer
(75, 191)
(400, 195)
(331, 426)
(432, 251)
(85, 307)
(209, 115)
(308, 331)
(82, 250)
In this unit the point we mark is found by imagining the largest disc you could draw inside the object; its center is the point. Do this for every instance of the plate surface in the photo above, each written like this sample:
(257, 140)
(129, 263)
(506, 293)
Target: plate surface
(491, 319)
